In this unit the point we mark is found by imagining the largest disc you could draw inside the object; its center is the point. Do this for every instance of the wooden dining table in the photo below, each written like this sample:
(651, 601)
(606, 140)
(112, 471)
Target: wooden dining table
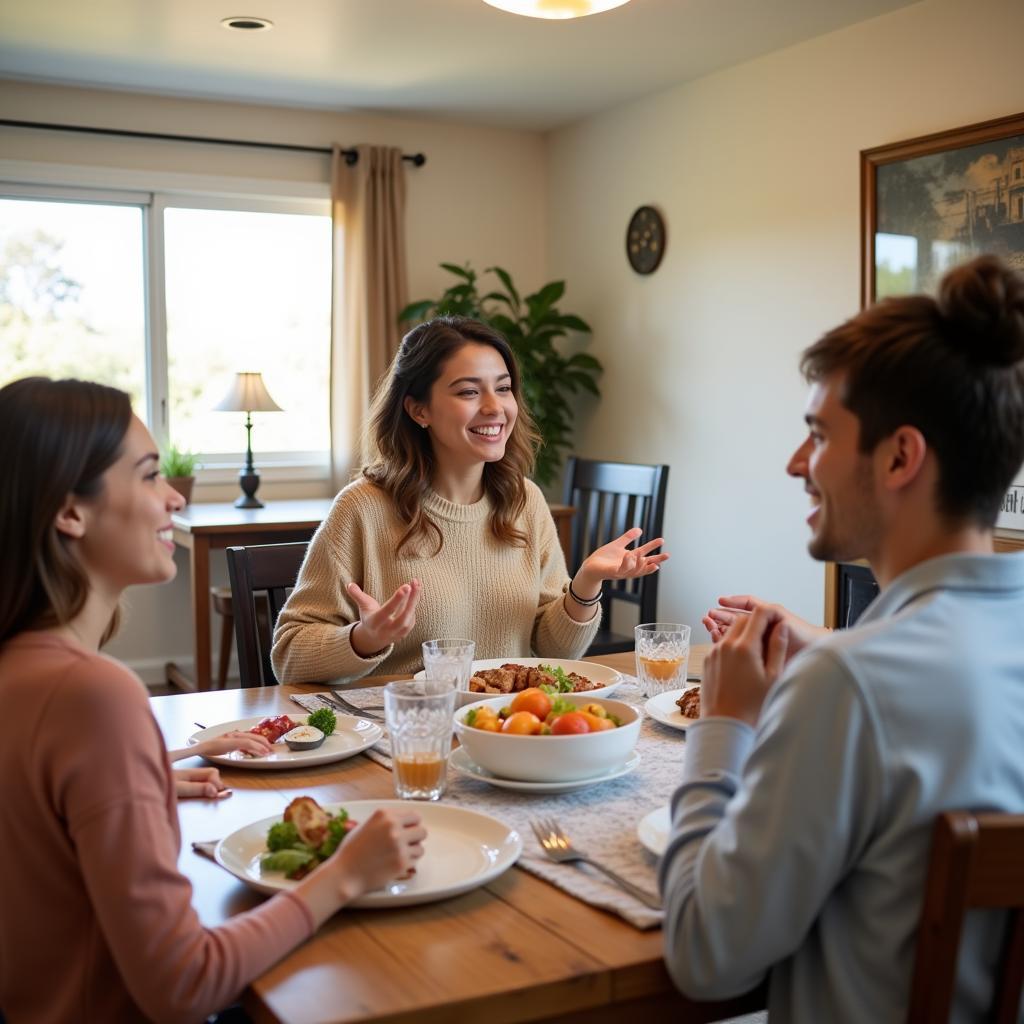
(515, 949)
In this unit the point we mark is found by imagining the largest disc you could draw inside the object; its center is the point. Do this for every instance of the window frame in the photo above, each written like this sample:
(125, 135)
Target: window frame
(155, 192)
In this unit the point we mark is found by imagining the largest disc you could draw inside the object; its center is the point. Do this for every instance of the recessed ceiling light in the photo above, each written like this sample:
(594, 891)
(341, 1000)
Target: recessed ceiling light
(247, 24)
(555, 8)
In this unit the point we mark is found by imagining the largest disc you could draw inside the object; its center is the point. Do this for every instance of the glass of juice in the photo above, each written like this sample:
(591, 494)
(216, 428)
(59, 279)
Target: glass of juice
(662, 652)
(418, 714)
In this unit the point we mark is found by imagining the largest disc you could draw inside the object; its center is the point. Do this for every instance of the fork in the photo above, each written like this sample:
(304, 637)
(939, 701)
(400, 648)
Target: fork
(344, 706)
(557, 845)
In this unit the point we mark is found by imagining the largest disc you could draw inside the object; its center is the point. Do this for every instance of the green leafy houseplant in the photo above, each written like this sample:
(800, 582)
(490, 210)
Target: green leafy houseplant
(177, 463)
(179, 468)
(532, 324)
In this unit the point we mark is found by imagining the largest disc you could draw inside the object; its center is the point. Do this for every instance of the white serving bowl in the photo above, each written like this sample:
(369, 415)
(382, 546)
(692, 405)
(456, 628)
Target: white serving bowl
(550, 758)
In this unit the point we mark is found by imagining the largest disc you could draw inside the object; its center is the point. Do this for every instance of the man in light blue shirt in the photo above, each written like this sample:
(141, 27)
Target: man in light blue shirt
(801, 831)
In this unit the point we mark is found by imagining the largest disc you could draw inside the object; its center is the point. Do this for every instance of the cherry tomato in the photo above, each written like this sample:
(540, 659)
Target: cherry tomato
(570, 723)
(522, 723)
(534, 700)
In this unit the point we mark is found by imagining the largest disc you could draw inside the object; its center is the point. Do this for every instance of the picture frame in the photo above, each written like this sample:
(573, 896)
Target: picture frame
(932, 202)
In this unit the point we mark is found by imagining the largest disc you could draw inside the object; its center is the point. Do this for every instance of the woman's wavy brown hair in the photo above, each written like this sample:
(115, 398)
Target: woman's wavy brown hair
(402, 459)
(57, 437)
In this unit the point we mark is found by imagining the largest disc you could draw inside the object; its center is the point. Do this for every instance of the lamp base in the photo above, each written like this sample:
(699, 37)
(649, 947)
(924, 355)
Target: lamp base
(249, 482)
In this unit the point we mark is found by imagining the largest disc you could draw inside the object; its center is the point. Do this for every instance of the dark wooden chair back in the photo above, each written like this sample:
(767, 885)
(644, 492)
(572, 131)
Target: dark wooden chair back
(271, 569)
(977, 861)
(609, 498)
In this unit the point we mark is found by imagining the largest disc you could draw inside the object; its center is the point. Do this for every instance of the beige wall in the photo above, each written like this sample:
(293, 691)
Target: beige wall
(480, 197)
(756, 171)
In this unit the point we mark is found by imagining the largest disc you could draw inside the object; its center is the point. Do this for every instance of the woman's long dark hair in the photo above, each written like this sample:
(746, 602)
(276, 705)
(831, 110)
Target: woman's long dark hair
(57, 438)
(402, 457)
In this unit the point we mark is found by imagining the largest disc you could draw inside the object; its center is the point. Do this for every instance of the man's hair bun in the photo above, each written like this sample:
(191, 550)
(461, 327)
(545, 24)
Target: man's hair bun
(982, 306)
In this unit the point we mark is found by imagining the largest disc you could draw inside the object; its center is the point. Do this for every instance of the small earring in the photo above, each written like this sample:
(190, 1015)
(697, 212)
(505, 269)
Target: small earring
(424, 425)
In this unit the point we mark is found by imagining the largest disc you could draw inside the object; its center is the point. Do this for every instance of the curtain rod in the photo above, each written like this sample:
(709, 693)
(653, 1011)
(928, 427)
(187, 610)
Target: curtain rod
(351, 155)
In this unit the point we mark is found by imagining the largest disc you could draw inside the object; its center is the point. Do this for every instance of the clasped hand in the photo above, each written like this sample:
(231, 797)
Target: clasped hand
(741, 668)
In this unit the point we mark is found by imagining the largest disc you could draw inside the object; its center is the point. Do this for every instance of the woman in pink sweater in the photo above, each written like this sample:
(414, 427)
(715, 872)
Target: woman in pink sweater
(96, 921)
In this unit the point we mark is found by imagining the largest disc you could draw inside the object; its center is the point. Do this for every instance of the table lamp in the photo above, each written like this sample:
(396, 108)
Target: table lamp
(248, 394)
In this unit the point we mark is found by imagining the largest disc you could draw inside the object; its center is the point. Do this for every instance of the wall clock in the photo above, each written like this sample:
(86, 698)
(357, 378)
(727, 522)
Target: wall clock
(645, 240)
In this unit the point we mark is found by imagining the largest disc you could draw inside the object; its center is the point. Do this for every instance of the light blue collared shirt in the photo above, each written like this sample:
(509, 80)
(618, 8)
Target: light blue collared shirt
(803, 847)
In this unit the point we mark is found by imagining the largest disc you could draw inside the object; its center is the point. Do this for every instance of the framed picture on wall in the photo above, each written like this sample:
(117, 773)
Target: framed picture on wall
(930, 203)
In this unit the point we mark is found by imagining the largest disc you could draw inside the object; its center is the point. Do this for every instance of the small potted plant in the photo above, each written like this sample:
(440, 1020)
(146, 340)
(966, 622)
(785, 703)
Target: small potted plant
(179, 468)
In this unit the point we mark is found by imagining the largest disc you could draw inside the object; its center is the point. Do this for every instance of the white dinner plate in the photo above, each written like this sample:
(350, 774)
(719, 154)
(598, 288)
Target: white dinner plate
(654, 829)
(461, 762)
(663, 709)
(351, 736)
(608, 678)
(464, 849)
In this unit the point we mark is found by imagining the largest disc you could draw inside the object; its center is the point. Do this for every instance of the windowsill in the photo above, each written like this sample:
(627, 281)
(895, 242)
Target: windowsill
(280, 478)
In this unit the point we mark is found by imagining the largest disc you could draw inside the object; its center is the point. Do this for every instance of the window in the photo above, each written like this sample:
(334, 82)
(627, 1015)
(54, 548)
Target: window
(234, 284)
(248, 291)
(71, 293)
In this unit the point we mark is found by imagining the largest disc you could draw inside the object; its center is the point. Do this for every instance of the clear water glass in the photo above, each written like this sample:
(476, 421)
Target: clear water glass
(449, 659)
(662, 654)
(418, 714)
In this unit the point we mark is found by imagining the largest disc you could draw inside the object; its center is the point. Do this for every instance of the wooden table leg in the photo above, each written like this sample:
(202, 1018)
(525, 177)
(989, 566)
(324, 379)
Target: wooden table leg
(200, 558)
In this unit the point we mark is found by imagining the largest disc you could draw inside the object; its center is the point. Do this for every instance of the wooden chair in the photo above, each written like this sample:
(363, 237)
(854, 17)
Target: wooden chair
(271, 569)
(977, 861)
(609, 498)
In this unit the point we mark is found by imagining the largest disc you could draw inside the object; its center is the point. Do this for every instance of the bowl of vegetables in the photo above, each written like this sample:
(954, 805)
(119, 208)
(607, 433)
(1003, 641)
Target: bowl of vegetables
(535, 736)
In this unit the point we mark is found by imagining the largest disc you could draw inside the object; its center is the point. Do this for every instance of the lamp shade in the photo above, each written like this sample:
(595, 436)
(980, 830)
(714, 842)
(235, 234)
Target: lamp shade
(247, 393)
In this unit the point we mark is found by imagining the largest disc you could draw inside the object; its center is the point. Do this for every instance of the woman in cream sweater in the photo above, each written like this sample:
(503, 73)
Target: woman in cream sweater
(443, 535)
(97, 921)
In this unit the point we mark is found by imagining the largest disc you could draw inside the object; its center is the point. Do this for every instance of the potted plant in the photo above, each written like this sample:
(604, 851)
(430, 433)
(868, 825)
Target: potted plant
(532, 324)
(179, 467)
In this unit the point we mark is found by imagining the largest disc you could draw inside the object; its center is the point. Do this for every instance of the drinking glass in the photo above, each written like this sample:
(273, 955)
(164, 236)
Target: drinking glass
(449, 659)
(662, 652)
(418, 714)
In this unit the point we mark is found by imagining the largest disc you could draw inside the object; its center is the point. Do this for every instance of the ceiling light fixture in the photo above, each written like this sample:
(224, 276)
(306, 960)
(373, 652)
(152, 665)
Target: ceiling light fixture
(555, 9)
(246, 24)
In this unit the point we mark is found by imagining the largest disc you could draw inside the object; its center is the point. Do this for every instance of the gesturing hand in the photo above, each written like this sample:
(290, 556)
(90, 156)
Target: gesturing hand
(739, 671)
(616, 560)
(382, 624)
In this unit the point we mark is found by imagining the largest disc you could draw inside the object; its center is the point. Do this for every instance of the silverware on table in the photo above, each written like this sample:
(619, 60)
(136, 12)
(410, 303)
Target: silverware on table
(346, 708)
(557, 845)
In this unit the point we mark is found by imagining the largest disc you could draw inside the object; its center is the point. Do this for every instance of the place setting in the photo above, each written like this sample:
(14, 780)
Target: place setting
(297, 741)
(541, 770)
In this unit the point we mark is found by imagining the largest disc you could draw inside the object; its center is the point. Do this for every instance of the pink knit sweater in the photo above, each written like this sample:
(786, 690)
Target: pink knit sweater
(96, 921)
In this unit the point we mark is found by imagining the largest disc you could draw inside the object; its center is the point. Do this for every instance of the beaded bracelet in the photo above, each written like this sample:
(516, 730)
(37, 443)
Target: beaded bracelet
(587, 602)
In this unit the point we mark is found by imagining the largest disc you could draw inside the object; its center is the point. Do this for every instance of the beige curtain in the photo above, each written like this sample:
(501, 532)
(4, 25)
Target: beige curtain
(369, 290)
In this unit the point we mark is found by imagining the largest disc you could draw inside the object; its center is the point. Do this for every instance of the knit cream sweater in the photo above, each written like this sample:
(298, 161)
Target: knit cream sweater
(507, 598)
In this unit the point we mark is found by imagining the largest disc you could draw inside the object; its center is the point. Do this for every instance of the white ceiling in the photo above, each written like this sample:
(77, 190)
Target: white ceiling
(458, 59)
